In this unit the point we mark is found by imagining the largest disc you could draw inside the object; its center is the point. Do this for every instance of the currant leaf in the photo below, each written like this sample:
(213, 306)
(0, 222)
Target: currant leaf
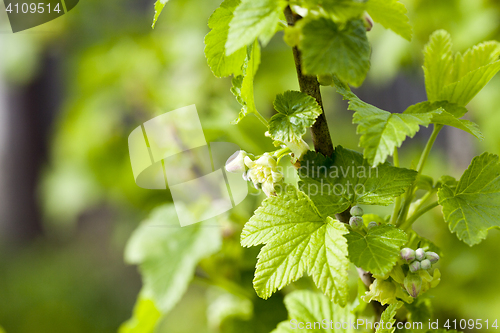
(378, 250)
(298, 240)
(327, 48)
(392, 14)
(381, 131)
(297, 112)
(458, 78)
(310, 307)
(444, 117)
(470, 208)
(159, 4)
(253, 19)
(342, 10)
(215, 41)
(388, 317)
(243, 84)
(346, 179)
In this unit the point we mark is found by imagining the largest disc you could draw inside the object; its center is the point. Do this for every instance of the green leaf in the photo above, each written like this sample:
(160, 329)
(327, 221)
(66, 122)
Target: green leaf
(377, 251)
(420, 311)
(470, 209)
(215, 41)
(306, 306)
(425, 183)
(327, 48)
(253, 19)
(144, 319)
(388, 317)
(458, 78)
(298, 241)
(381, 131)
(448, 181)
(167, 255)
(159, 4)
(243, 84)
(462, 92)
(447, 118)
(346, 179)
(342, 10)
(297, 112)
(392, 14)
(438, 64)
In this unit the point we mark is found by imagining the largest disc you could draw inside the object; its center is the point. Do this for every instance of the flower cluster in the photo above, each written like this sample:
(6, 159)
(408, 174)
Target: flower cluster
(419, 259)
(419, 263)
(262, 172)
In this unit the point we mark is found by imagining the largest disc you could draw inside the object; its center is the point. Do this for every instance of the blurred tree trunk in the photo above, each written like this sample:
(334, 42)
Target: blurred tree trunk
(26, 113)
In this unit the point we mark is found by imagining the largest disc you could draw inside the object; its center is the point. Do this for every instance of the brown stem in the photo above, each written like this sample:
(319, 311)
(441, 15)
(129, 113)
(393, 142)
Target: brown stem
(321, 137)
(309, 84)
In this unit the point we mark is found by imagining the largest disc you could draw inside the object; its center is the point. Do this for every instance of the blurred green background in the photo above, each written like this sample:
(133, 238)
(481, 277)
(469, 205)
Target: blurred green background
(73, 89)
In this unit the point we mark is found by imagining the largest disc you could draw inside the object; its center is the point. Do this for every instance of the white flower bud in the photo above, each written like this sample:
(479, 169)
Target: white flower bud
(407, 254)
(433, 257)
(415, 266)
(372, 224)
(236, 163)
(425, 264)
(420, 254)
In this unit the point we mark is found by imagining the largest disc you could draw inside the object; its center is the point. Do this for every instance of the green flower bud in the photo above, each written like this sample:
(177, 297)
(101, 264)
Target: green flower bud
(236, 162)
(425, 264)
(415, 266)
(420, 254)
(372, 224)
(325, 79)
(413, 284)
(407, 254)
(433, 257)
(356, 211)
(356, 222)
